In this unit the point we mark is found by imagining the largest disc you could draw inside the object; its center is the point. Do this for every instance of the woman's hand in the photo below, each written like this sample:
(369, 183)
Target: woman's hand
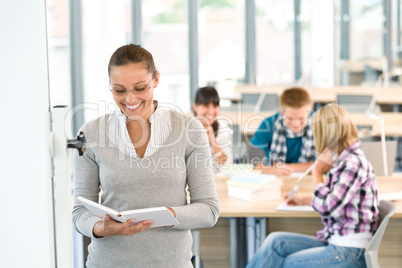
(110, 227)
(298, 200)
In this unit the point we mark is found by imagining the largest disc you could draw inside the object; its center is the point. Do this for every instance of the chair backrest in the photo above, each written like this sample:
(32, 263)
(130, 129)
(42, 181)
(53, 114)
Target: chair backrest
(249, 101)
(270, 103)
(374, 154)
(250, 98)
(354, 103)
(387, 209)
(260, 102)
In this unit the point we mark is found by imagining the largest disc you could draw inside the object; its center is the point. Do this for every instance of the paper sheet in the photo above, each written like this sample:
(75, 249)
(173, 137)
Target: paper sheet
(284, 207)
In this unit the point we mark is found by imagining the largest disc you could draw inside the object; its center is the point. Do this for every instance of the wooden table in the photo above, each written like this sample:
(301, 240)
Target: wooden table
(250, 121)
(386, 95)
(238, 210)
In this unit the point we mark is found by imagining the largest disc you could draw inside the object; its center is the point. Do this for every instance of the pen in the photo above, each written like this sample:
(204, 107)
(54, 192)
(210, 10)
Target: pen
(296, 187)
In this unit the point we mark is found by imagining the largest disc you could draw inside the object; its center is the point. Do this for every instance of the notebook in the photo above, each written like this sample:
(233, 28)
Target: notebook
(373, 151)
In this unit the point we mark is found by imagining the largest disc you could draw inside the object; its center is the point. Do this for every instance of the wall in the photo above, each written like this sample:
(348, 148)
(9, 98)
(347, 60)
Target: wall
(26, 239)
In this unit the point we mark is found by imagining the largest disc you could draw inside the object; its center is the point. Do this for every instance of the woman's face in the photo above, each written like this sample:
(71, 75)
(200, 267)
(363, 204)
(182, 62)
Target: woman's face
(133, 89)
(210, 112)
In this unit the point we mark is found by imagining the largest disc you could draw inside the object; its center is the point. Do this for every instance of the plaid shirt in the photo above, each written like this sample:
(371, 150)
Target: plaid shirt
(348, 201)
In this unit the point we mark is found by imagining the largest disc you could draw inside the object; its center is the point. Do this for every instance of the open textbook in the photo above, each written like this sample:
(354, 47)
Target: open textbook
(161, 216)
(284, 207)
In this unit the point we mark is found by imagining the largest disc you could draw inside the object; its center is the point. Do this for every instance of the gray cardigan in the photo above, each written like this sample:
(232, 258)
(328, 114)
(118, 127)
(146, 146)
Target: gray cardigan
(158, 180)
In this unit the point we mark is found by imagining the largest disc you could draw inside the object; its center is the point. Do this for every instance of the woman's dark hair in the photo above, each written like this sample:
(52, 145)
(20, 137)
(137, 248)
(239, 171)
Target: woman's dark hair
(132, 54)
(205, 96)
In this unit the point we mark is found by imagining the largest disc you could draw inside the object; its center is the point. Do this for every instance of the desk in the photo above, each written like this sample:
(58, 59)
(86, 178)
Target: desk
(386, 95)
(237, 209)
(250, 121)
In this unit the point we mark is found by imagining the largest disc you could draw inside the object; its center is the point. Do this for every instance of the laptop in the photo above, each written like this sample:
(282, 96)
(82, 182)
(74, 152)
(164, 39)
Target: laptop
(373, 151)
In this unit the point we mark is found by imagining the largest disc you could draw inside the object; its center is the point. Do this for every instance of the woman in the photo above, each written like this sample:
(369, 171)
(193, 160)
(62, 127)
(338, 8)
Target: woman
(206, 109)
(142, 156)
(347, 202)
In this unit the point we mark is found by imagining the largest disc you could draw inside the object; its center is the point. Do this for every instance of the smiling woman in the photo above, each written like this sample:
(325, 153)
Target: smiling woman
(140, 135)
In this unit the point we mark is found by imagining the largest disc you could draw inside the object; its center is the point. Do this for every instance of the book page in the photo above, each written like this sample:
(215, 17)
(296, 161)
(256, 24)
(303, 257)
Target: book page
(284, 207)
(100, 210)
(161, 216)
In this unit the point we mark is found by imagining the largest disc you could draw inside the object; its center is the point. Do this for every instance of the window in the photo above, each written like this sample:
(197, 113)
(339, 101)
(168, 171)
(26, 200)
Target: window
(165, 35)
(104, 29)
(275, 41)
(221, 26)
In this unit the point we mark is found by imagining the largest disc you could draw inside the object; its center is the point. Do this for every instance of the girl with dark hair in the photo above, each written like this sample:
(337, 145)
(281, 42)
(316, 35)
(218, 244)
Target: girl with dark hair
(142, 156)
(206, 109)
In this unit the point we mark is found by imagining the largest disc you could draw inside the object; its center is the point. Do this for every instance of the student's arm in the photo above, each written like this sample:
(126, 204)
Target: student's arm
(299, 167)
(278, 169)
(329, 200)
(298, 200)
(224, 141)
(217, 151)
(263, 136)
(221, 144)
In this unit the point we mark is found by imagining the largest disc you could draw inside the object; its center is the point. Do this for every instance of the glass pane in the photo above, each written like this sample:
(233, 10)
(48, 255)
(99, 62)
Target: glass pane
(366, 29)
(305, 20)
(59, 52)
(396, 37)
(165, 35)
(104, 29)
(366, 49)
(275, 41)
(221, 41)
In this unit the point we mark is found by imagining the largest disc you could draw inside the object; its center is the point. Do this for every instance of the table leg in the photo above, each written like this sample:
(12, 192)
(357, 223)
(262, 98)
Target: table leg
(238, 245)
(252, 233)
(263, 230)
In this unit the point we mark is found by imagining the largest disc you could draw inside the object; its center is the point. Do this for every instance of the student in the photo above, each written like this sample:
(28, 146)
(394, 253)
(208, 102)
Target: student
(286, 137)
(142, 156)
(206, 109)
(347, 202)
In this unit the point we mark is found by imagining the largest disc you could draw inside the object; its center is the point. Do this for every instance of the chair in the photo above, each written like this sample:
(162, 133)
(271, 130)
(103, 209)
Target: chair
(249, 101)
(270, 103)
(387, 209)
(354, 103)
(253, 155)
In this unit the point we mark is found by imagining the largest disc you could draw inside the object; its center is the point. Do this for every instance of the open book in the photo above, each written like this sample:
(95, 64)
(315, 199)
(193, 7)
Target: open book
(161, 216)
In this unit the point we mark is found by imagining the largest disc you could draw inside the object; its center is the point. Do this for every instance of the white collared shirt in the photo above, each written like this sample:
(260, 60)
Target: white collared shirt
(161, 127)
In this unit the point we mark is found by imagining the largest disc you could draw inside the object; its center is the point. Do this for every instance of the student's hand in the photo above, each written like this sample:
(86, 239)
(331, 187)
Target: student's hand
(110, 227)
(209, 129)
(323, 163)
(211, 135)
(297, 200)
